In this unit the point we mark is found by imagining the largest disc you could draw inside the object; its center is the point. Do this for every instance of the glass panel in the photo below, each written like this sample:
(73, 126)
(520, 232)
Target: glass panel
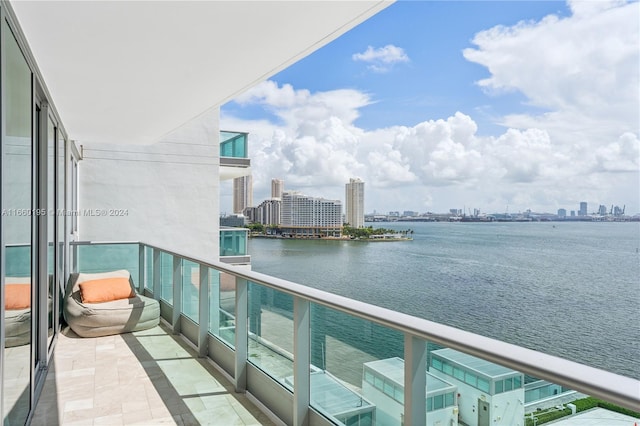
(233, 242)
(17, 187)
(61, 220)
(398, 394)
(222, 299)
(483, 384)
(438, 402)
(74, 196)
(378, 382)
(346, 354)
(517, 382)
(429, 404)
(388, 388)
(508, 385)
(458, 373)
(109, 257)
(51, 216)
(166, 277)
(449, 399)
(271, 332)
(190, 289)
(436, 363)
(471, 379)
(233, 144)
(499, 386)
(368, 377)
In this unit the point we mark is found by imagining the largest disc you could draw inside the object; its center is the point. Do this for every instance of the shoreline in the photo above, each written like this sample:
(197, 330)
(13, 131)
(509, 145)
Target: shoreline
(276, 237)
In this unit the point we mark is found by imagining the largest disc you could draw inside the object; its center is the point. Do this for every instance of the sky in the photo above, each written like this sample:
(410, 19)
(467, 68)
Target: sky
(494, 105)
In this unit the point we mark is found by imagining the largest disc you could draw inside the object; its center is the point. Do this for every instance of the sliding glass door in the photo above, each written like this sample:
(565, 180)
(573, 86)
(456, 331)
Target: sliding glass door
(18, 195)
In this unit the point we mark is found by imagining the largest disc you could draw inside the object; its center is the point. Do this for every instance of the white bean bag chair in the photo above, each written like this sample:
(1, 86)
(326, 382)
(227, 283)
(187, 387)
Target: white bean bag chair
(115, 312)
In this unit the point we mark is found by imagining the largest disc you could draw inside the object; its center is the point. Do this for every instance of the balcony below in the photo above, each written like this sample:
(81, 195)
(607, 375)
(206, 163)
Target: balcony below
(234, 153)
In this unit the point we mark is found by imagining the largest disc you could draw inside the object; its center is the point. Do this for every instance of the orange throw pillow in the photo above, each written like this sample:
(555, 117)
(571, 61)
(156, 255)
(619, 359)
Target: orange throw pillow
(17, 296)
(105, 290)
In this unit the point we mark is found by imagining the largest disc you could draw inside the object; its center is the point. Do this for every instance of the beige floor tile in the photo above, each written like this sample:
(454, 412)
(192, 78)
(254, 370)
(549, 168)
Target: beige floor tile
(143, 378)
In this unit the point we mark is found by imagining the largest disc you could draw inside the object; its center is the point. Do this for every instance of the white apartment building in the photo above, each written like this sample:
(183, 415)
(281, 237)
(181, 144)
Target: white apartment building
(268, 212)
(306, 216)
(354, 203)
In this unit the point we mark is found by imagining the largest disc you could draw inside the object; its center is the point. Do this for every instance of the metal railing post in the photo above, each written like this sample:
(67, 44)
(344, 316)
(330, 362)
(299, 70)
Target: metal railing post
(203, 312)
(242, 335)
(141, 268)
(301, 361)
(177, 294)
(157, 268)
(415, 381)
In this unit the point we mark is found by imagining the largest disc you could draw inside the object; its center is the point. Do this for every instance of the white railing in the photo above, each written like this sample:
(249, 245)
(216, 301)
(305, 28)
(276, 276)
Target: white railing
(619, 390)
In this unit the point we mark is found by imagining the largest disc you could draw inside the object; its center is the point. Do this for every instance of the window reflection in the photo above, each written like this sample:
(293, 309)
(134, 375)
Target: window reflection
(17, 190)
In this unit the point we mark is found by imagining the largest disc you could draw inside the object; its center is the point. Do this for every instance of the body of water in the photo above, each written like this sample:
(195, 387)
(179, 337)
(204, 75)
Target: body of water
(568, 289)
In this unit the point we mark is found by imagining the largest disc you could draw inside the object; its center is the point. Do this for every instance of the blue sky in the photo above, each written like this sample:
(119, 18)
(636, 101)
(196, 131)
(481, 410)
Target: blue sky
(479, 103)
(438, 80)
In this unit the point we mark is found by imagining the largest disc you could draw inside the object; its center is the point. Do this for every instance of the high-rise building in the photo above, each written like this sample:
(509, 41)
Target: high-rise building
(269, 212)
(583, 209)
(354, 203)
(306, 216)
(242, 193)
(562, 212)
(277, 188)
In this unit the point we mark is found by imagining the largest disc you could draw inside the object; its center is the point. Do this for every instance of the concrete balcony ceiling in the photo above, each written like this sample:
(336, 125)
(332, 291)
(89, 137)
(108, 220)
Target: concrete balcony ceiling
(134, 71)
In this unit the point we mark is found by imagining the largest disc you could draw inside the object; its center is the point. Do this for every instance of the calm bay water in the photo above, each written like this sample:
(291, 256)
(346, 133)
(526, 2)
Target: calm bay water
(568, 289)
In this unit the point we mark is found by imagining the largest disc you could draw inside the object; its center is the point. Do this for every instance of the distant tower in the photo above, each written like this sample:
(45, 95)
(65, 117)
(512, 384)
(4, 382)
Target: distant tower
(583, 209)
(242, 193)
(354, 203)
(277, 188)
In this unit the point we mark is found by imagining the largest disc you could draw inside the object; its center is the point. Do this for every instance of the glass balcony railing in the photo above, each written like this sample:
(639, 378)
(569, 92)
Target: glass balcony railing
(345, 362)
(233, 241)
(233, 144)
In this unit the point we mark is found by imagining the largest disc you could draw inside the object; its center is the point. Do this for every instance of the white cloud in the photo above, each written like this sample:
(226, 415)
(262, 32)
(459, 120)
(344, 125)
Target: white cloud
(434, 163)
(582, 71)
(382, 59)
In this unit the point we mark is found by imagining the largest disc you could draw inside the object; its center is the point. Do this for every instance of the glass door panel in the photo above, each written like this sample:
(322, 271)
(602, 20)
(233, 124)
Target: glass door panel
(17, 187)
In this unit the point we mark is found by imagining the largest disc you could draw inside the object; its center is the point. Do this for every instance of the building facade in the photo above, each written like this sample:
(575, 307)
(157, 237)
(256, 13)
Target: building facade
(354, 203)
(310, 217)
(268, 212)
(277, 188)
(583, 209)
(242, 193)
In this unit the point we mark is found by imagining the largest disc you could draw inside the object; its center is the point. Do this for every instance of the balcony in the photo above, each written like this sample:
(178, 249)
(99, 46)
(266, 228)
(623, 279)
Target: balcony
(307, 356)
(234, 153)
(233, 246)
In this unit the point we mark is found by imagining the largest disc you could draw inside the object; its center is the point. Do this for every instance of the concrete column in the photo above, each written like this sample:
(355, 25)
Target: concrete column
(241, 342)
(415, 381)
(301, 360)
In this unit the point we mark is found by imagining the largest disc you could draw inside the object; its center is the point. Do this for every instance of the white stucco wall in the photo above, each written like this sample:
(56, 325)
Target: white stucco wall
(506, 409)
(165, 194)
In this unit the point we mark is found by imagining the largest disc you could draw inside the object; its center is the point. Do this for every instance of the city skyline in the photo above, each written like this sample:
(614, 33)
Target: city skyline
(540, 131)
(581, 208)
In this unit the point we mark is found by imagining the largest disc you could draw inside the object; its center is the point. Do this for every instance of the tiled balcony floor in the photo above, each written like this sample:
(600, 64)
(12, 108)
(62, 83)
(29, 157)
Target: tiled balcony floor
(143, 378)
